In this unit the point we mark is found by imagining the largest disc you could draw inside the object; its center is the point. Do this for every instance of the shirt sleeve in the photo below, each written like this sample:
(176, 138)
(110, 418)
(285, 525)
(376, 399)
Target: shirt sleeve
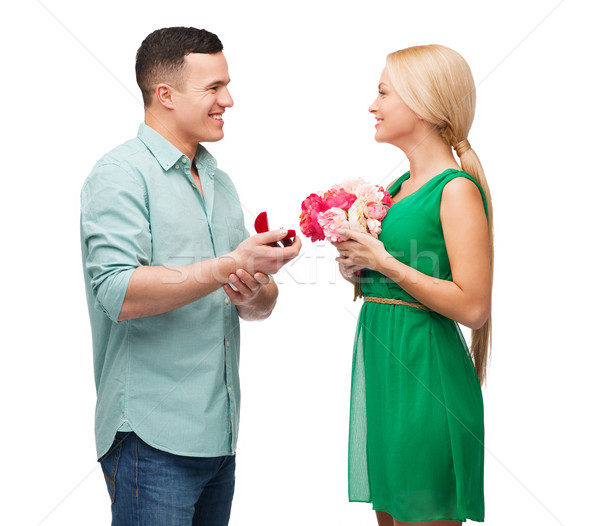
(115, 234)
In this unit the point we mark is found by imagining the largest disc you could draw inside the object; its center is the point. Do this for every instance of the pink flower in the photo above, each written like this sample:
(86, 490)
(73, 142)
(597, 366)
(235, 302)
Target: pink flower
(331, 221)
(376, 210)
(338, 198)
(309, 224)
(355, 204)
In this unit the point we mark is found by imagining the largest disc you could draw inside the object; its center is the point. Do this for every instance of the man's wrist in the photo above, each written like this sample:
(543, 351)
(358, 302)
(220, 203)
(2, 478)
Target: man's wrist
(216, 270)
(226, 265)
(262, 304)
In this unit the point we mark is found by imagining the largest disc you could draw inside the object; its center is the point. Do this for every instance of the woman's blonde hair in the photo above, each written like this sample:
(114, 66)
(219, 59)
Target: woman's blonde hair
(437, 84)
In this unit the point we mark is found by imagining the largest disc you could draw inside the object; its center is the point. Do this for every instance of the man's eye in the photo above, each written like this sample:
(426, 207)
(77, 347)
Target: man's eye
(381, 92)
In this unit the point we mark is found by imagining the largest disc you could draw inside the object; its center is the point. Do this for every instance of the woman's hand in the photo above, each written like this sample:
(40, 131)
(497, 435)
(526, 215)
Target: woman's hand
(348, 275)
(359, 252)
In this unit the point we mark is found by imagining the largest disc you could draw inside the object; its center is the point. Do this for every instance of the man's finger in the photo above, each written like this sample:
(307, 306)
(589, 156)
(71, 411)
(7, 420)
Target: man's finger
(242, 288)
(247, 279)
(261, 278)
(272, 236)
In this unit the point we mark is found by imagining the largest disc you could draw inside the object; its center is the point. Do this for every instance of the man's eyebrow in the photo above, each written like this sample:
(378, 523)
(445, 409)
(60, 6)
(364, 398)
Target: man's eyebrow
(219, 83)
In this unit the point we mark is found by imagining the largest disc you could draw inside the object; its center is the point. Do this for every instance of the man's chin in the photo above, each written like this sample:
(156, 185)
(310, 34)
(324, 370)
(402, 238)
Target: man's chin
(212, 138)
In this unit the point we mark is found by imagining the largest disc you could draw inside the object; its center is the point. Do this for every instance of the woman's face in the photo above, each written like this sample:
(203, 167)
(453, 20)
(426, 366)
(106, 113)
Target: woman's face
(396, 122)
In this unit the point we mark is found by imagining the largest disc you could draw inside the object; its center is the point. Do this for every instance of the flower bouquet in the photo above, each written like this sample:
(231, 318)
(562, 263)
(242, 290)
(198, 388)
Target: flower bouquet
(353, 205)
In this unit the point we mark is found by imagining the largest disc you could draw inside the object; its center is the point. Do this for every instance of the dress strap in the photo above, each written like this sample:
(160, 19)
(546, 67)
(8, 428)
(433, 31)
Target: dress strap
(393, 301)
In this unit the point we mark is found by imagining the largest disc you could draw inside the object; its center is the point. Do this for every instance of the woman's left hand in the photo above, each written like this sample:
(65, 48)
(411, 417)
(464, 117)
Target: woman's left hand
(360, 251)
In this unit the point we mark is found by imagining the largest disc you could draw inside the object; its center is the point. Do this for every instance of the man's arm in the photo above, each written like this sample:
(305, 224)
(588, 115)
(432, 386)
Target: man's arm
(154, 290)
(117, 244)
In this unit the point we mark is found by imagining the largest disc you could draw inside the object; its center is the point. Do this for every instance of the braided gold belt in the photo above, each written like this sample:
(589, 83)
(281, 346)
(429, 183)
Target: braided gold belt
(392, 301)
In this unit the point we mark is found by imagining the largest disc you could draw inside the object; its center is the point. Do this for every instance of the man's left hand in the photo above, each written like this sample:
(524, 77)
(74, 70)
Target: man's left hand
(247, 287)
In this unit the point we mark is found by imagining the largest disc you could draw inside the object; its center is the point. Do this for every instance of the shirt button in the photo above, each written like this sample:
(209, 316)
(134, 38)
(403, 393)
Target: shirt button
(184, 160)
(229, 388)
(226, 343)
(226, 301)
(177, 167)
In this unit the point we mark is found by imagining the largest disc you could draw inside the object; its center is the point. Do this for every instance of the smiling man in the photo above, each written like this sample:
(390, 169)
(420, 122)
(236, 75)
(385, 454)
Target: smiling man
(169, 268)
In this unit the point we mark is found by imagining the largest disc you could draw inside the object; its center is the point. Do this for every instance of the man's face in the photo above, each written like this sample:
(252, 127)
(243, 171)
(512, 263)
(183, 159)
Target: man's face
(200, 101)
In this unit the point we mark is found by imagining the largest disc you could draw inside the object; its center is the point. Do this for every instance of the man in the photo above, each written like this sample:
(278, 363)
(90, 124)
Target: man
(169, 268)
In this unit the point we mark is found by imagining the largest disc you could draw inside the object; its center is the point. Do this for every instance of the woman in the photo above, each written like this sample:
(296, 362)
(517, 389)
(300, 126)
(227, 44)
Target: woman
(416, 427)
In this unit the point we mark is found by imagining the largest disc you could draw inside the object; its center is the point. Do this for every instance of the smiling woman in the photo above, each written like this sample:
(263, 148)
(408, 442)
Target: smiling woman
(416, 425)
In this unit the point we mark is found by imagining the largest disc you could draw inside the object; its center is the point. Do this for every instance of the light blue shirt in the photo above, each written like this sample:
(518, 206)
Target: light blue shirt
(172, 378)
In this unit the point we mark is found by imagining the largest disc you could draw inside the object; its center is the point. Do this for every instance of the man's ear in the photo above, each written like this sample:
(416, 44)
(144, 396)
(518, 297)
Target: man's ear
(164, 95)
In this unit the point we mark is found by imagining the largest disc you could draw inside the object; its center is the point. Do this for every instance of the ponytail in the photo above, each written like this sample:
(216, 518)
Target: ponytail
(481, 339)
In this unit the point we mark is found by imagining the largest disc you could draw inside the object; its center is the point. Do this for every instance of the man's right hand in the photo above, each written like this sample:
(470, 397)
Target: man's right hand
(255, 255)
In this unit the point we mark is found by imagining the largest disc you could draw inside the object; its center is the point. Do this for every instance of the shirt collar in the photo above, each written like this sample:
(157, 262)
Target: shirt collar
(205, 161)
(164, 152)
(167, 155)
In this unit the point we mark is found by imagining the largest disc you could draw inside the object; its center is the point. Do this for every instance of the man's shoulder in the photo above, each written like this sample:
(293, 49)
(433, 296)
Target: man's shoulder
(127, 153)
(122, 165)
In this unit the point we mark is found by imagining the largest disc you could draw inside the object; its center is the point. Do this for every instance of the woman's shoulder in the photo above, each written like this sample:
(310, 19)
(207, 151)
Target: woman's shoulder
(460, 188)
(457, 179)
(452, 174)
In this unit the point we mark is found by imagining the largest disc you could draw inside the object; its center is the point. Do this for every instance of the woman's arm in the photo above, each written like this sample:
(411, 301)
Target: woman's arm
(467, 298)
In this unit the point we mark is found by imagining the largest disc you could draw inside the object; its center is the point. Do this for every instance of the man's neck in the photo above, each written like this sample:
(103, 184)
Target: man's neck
(160, 124)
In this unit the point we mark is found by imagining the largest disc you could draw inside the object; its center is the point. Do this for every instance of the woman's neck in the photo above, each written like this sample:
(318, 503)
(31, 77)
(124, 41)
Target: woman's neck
(428, 155)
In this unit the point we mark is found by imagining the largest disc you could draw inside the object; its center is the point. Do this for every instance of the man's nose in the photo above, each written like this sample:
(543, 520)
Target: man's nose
(225, 100)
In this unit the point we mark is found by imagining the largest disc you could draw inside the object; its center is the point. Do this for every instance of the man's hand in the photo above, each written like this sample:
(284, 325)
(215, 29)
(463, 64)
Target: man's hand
(243, 288)
(254, 293)
(256, 256)
(253, 296)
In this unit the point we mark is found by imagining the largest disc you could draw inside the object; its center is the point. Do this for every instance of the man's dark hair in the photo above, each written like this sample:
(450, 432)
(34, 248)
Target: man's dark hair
(161, 56)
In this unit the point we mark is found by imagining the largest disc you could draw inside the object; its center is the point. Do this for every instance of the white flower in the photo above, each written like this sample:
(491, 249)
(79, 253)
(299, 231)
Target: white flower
(356, 217)
(374, 227)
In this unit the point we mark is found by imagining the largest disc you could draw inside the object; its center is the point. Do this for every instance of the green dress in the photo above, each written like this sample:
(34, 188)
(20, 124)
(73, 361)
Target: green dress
(416, 420)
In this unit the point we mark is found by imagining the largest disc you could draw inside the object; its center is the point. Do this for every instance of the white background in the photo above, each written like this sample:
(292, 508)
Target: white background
(303, 75)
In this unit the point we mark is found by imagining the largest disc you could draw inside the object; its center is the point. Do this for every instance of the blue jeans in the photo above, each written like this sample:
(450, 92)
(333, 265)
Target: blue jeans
(149, 487)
